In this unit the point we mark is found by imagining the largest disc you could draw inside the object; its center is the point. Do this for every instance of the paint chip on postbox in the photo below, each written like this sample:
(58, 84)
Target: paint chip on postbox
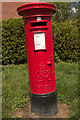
(39, 41)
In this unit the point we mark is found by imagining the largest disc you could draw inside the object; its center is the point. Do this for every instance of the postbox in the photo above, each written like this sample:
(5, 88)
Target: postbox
(40, 56)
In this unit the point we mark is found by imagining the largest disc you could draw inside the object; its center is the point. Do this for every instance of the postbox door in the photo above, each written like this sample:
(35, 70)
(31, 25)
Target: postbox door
(43, 77)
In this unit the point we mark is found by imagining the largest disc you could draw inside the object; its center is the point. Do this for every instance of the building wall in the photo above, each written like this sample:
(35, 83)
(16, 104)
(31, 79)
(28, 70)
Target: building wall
(9, 9)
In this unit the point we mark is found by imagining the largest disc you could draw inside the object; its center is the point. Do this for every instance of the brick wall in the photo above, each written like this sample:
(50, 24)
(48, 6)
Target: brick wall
(9, 9)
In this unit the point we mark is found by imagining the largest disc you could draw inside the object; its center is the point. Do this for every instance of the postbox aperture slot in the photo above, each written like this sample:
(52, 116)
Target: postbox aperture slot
(38, 24)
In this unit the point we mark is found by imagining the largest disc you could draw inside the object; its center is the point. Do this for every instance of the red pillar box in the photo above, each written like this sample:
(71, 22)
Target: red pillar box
(40, 56)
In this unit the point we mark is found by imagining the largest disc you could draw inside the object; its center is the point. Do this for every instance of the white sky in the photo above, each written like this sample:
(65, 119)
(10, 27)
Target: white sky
(74, 10)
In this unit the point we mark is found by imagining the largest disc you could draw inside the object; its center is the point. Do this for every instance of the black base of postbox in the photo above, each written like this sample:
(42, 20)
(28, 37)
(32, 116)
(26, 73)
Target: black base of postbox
(44, 105)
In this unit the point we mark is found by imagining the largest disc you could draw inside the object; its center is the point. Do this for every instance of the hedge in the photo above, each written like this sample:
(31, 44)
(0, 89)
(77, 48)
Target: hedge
(13, 42)
(14, 48)
(66, 40)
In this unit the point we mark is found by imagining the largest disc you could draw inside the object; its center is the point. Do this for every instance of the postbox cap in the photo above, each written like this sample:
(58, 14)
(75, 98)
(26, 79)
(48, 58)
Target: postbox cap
(48, 7)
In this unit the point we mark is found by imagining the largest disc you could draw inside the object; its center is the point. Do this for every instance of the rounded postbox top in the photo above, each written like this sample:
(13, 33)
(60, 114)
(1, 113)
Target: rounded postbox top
(36, 8)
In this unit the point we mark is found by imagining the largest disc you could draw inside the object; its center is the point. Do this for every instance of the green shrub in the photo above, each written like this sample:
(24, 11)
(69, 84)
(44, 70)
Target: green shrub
(13, 41)
(56, 57)
(66, 40)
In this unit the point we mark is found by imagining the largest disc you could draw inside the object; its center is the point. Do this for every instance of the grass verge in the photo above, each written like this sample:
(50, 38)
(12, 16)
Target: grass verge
(15, 87)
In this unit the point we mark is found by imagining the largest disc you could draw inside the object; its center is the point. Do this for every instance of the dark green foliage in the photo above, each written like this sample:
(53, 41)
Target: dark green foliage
(56, 57)
(63, 11)
(13, 41)
(66, 40)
